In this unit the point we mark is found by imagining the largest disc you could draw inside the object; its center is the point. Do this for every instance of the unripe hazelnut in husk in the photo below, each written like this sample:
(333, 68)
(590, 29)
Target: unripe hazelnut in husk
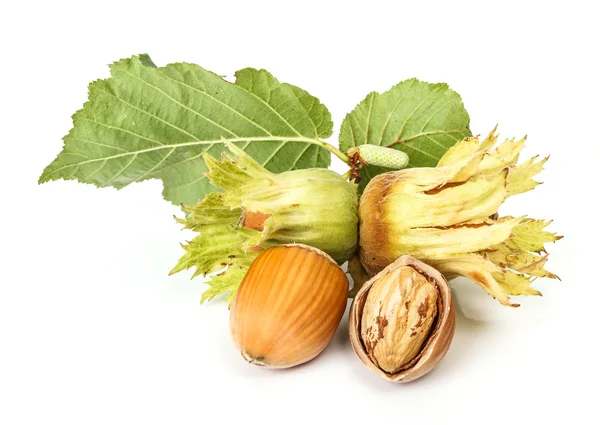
(258, 209)
(447, 217)
(402, 320)
(288, 306)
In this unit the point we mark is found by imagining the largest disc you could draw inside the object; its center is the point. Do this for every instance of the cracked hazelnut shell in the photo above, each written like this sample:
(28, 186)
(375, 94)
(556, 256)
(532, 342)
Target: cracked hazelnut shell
(413, 325)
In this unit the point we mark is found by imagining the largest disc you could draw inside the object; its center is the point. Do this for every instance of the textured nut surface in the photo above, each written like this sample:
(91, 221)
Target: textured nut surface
(400, 310)
(407, 357)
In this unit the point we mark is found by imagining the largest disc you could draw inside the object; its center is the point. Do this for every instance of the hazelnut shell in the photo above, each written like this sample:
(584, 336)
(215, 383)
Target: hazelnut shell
(437, 343)
(288, 306)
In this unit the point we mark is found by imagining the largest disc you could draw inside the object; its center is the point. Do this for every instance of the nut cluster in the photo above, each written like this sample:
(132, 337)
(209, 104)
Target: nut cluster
(402, 319)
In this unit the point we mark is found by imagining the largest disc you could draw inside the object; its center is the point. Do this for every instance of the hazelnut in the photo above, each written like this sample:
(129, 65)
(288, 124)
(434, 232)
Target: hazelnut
(402, 320)
(288, 306)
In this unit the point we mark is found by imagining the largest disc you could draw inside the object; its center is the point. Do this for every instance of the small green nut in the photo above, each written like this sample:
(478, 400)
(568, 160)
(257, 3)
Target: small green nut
(315, 207)
(380, 156)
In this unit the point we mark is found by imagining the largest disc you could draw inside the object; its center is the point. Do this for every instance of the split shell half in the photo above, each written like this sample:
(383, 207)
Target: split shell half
(437, 343)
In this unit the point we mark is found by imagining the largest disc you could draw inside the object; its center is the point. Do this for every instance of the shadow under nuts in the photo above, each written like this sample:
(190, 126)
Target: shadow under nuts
(288, 306)
(402, 320)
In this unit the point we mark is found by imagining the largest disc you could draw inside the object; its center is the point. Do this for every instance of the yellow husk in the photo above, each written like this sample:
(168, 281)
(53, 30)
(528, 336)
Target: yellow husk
(444, 216)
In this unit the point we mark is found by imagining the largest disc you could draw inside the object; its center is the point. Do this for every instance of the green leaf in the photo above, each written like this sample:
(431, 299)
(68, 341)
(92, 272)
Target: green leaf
(147, 122)
(421, 119)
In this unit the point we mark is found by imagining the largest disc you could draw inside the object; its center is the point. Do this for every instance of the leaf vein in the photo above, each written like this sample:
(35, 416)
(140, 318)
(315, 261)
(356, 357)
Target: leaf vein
(399, 136)
(368, 122)
(275, 111)
(155, 166)
(193, 143)
(95, 143)
(121, 171)
(221, 102)
(435, 113)
(421, 151)
(275, 152)
(96, 170)
(389, 115)
(120, 129)
(408, 139)
(300, 156)
(180, 104)
(151, 115)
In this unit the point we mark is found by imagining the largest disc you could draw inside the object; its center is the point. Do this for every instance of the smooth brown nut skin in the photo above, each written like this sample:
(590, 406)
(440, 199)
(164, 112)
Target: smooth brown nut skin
(288, 306)
(437, 343)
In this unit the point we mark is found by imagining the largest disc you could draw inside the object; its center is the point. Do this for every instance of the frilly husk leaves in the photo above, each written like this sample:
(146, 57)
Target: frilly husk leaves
(446, 216)
(259, 209)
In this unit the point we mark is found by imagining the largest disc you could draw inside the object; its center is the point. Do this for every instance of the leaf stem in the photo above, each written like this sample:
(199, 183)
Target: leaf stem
(347, 174)
(341, 155)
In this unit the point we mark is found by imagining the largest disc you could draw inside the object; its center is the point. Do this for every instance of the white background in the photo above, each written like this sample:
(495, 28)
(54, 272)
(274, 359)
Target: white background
(93, 331)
